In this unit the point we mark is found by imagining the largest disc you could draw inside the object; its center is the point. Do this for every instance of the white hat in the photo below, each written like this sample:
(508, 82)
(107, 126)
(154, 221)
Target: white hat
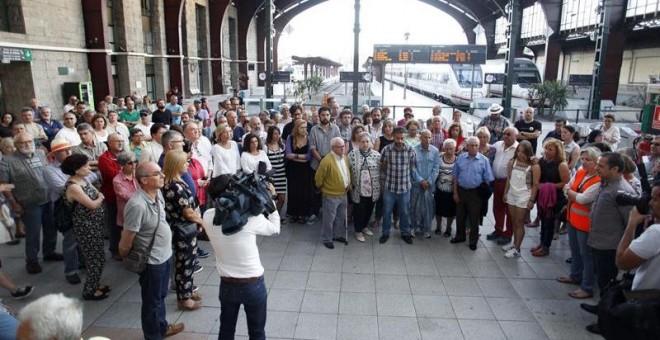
(58, 145)
(495, 108)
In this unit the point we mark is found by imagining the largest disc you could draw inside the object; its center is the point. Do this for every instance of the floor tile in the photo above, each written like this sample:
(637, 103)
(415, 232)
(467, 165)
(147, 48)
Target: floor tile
(290, 280)
(446, 329)
(358, 283)
(286, 300)
(459, 286)
(470, 307)
(509, 309)
(358, 303)
(324, 281)
(320, 302)
(316, 326)
(496, 288)
(427, 285)
(431, 306)
(397, 284)
(481, 329)
(521, 330)
(395, 305)
(398, 328)
(351, 327)
(281, 324)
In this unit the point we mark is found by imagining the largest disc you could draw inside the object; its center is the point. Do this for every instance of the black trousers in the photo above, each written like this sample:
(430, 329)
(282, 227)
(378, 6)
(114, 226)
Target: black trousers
(605, 265)
(469, 207)
(362, 213)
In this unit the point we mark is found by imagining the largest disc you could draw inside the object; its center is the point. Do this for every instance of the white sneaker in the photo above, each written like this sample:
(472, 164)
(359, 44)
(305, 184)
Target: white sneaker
(512, 253)
(508, 247)
(367, 232)
(312, 219)
(359, 237)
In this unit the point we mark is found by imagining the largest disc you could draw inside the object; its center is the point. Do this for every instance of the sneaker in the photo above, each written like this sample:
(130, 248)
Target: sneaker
(201, 253)
(427, 235)
(367, 232)
(22, 292)
(508, 247)
(194, 289)
(512, 253)
(312, 219)
(283, 221)
(359, 237)
(197, 269)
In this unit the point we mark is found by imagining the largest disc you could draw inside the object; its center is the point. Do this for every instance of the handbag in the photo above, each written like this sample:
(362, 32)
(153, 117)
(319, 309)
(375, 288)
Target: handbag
(186, 230)
(136, 259)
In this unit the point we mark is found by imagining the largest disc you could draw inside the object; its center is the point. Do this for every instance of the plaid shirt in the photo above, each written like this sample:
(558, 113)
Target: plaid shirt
(399, 165)
(493, 124)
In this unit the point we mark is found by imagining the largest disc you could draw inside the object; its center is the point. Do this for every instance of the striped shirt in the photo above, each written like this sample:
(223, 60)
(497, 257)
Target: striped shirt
(399, 164)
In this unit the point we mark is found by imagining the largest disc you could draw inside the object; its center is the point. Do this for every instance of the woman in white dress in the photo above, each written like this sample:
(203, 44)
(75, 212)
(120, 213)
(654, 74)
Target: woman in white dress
(225, 154)
(611, 133)
(253, 154)
(520, 193)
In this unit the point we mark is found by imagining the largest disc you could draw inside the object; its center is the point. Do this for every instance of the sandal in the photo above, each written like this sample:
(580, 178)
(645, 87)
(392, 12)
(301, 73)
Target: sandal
(95, 297)
(104, 288)
(580, 294)
(541, 252)
(568, 280)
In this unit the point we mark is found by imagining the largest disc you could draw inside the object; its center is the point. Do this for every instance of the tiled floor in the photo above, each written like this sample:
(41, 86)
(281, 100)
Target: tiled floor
(431, 290)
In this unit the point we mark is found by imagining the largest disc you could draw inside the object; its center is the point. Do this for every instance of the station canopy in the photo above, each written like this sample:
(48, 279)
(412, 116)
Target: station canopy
(319, 61)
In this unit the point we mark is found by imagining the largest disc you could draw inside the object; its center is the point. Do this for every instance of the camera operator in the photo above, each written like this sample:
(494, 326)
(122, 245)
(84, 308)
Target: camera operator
(643, 252)
(240, 269)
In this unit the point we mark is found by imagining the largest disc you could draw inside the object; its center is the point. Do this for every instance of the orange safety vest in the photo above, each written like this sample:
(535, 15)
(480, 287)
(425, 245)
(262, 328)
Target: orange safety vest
(577, 214)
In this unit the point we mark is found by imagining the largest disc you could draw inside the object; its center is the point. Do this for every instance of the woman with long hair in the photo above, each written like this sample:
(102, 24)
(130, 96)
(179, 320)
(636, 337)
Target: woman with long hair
(387, 137)
(88, 216)
(581, 191)
(299, 174)
(365, 178)
(225, 154)
(180, 208)
(554, 175)
(5, 125)
(445, 206)
(253, 154)
(275, 152)
(455, 132)
(571, 148)
(522, 185)
(199, 177)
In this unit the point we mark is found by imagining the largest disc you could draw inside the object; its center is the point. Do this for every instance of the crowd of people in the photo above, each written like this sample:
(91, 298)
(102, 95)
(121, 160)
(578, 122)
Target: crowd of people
(138, 172)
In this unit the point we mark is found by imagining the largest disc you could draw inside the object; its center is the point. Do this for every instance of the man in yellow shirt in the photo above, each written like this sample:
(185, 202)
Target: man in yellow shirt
(333, 178)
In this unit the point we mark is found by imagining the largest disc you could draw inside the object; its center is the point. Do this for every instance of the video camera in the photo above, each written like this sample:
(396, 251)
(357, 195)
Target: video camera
(240, 196)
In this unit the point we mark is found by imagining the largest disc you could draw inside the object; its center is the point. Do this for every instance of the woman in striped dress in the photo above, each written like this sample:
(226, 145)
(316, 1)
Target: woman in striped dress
(275, 151)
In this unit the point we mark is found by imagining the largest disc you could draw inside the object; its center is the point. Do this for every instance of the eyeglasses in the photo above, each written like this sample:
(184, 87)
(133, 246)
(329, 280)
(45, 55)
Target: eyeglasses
(177, 141)
(131, 162)
(507, 134)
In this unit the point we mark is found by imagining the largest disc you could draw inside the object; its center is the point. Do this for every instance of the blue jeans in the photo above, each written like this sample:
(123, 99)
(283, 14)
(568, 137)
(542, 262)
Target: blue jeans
(153, 281)
(70, 252)
(403, 202)
(254, 298)
(582, 266)
(8, 324)
(35, 219)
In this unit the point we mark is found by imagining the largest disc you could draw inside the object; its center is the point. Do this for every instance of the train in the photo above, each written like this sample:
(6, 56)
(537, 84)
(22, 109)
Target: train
(460, 84)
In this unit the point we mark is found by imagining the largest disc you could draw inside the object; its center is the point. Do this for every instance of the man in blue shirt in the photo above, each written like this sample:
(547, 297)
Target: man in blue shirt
(176, 109)
(471, 171)
(423, 180)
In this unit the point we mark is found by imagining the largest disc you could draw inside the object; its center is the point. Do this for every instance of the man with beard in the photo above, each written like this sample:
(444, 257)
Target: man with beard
(90, 146)
(296, 113)
(345, 127)
(29, 199)
(161, 115)
(376, 127)
(131, 115)
(319, 143)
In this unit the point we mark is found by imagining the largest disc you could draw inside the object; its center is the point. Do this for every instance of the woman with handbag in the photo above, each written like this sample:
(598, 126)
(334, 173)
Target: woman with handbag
(88, 221)
(180, 212)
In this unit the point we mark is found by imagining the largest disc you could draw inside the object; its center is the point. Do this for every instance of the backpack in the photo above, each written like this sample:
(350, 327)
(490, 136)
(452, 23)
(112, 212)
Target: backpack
(63, 213)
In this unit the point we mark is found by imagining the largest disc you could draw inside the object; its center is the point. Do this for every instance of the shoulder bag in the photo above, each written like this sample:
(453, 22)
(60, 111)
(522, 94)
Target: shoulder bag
(136, 259)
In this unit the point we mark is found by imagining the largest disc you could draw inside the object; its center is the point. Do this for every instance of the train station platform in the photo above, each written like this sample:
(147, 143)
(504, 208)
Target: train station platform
(428, 290)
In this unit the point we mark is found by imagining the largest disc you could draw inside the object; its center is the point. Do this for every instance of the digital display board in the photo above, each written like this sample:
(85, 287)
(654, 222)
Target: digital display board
(430, 54)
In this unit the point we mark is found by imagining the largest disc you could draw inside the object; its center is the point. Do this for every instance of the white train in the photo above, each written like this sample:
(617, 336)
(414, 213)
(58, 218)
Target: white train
(450, 84)
(526, 73)
(453, 83)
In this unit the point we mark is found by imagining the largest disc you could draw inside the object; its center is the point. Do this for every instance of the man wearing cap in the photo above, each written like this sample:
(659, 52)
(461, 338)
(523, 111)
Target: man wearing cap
(407, 116)
(29, 199)
(131, 115)
(495, 123)
(55, 180)
(90, 146)
(144, 125)
(109, 168)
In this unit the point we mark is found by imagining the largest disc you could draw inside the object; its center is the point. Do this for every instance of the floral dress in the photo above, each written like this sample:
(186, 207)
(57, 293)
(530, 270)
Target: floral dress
(177, 198)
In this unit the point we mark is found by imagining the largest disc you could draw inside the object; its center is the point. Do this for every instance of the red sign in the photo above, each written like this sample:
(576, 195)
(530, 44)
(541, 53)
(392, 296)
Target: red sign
(656, 118)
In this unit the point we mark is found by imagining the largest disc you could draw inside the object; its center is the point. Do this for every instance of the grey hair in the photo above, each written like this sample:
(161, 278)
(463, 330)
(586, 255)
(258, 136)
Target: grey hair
(449, 142)
(53, 316)
(336, 141)
(472, 139)
(168, 136)
(113, 135)
(83, 127)
(591, 152)
(7, 141)
(124, 157)
(482, 131)
(365, 134)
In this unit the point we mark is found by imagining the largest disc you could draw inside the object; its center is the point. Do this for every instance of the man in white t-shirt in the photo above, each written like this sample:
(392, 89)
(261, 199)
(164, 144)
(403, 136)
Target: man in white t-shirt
(241, 272)
(144, 125)
(69, 131)
(642, 253)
